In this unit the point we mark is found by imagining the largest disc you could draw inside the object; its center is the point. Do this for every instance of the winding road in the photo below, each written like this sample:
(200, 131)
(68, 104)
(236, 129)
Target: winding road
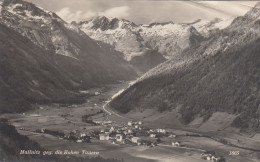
(110, 112)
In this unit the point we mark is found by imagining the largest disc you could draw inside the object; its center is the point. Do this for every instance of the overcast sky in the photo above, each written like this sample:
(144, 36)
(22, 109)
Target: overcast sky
(146, 11)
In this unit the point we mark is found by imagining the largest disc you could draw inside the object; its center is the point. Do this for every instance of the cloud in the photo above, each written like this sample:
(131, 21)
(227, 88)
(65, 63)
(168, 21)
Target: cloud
(118, 12)
(68, 15)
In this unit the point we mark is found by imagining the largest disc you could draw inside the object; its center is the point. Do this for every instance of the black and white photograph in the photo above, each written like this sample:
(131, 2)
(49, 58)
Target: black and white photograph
(129, 81)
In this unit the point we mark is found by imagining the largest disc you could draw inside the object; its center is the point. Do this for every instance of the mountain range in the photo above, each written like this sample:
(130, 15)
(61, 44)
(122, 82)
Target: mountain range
(44, 59)
(219, 75)
(194, 70)
(165, 40)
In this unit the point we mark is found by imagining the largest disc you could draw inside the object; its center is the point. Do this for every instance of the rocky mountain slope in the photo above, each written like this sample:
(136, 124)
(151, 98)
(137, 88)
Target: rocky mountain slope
(220, 75)
(167, 38)
(44, 59)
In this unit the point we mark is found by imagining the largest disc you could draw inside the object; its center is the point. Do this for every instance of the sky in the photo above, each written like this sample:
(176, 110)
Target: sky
(146, 11)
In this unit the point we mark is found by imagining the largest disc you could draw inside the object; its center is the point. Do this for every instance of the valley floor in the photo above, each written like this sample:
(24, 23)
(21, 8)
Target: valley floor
(68, 118)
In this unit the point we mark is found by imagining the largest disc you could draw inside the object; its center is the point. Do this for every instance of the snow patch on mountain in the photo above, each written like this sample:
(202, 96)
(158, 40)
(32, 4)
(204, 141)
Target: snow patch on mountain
(42, 27)
(167, 38)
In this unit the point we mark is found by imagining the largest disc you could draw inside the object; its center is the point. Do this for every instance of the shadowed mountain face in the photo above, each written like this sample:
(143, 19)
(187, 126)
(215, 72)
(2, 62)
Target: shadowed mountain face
(44, 60)
(220, 75)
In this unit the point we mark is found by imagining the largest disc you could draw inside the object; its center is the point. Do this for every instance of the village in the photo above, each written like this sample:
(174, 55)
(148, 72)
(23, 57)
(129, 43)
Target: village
(131, 133)
(96, 126)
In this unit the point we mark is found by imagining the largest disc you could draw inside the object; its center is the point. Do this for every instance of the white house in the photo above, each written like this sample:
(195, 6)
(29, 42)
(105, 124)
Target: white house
(103, 137)
(83, 135)
(129, 131)
(130, 123)
(172, 135)
(215, 159)
(112, 129)
(119, 137)
(79, 141)
(43, 130)
(176, 144)
(140, 123)
(135, 139)
(153, 135)
(161, 130)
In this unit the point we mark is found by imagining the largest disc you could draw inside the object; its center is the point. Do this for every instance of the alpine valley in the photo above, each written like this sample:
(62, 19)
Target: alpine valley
(108, 90)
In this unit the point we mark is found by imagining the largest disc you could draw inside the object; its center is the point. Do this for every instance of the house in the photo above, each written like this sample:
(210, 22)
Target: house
(172, 135)
(112, 129)
(140, 123)
(97, 93)
(210, 157)
(130, 123)
(136, 126)
(176, 144)
(215, 159)
(153, 135)
(206, 156)
(83, 134)
(129, 131)
(136, 139)
(161, 130)
(98, 122)
(107, 122)
(43, 130)
(119, 137)
(125, 132)
(79, 141)
(103, 137)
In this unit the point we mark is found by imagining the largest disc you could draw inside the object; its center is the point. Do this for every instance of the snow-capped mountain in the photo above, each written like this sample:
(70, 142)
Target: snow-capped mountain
(167, 38)
(219, 75)
(40, 26)
(233, 36)
(48, 31)
(44, 59)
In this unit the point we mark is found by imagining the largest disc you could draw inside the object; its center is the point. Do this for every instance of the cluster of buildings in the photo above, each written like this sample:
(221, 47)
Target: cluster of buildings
(74, 135)
(131, 133)
(77, 136)
(134, 133)
(210, 157)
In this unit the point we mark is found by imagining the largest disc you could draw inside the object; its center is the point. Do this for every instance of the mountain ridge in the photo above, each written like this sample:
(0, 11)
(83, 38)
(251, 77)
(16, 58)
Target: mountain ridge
(71, 61)
(222, 74)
